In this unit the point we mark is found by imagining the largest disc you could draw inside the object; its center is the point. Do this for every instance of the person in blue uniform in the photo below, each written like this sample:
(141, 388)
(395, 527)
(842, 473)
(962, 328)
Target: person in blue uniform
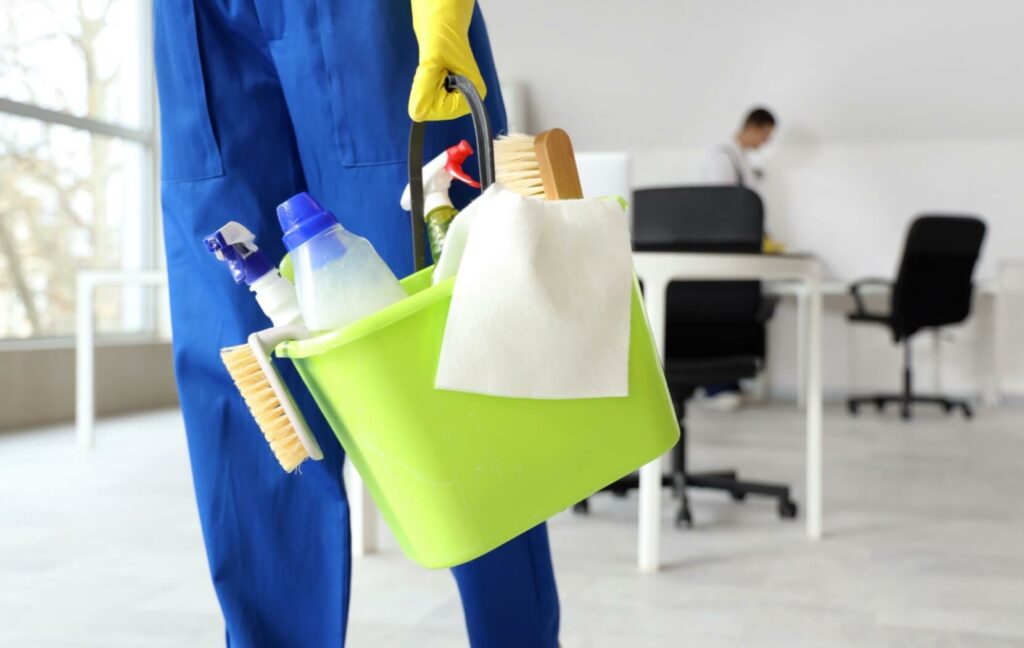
(259, 100)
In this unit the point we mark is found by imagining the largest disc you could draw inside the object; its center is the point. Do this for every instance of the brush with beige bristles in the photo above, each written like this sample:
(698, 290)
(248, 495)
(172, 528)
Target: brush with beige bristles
(267, 397)
(538, 167)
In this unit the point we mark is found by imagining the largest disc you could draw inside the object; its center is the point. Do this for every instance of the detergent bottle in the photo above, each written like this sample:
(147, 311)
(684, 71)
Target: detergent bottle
(437, 206)
(236, 245)
(339, 277)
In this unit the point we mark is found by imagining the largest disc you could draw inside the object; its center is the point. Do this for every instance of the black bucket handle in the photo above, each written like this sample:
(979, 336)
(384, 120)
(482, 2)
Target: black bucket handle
(485, 157)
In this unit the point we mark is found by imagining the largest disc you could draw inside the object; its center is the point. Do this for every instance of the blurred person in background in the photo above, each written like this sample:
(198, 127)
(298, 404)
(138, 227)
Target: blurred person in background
(729, 164)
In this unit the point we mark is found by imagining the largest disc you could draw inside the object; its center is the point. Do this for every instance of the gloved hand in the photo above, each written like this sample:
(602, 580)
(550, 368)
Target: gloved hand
(772, 246)
(442, 29)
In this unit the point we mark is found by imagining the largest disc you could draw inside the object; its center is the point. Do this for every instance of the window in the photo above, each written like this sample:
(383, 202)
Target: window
(77, 186)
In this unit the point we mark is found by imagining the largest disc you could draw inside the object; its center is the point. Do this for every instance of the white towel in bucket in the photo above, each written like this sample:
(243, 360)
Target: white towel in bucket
(541, 306)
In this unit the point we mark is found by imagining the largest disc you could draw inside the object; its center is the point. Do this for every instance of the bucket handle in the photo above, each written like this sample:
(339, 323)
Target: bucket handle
(485, 157)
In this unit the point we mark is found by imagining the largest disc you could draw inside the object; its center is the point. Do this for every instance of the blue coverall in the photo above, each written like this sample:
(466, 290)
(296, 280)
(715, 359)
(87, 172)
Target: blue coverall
(261, 99)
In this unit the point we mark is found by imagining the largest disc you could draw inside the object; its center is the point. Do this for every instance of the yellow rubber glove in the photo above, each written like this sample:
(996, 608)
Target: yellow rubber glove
(772, 246)
(442, 30)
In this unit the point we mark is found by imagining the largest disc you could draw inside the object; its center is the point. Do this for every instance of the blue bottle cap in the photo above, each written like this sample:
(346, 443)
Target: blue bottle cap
(302, 218)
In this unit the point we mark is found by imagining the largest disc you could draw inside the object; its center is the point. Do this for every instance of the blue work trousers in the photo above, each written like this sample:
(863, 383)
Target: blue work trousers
(259, 100)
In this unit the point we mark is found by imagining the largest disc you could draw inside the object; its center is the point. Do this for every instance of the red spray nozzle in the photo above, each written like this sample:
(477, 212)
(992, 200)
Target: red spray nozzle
(456, 156)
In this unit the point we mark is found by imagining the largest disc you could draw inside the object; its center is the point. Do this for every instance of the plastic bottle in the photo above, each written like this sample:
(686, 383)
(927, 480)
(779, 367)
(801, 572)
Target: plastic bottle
(236, 245)
(339, 278)
(438, 211)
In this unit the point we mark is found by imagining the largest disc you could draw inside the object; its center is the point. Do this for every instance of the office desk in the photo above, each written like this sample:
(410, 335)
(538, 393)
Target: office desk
(657, 270)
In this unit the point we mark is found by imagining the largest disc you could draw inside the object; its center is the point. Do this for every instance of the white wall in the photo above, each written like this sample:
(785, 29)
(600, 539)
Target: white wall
(872, 70)
(39, 381)
(886, 109)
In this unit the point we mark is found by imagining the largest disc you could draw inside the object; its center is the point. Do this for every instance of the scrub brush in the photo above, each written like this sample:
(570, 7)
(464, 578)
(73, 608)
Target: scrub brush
(249, 364)
(539, 167)
(267, 397)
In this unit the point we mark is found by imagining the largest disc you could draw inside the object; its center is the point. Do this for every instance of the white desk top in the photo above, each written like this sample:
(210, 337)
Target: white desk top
(778, 270)
(667, 266)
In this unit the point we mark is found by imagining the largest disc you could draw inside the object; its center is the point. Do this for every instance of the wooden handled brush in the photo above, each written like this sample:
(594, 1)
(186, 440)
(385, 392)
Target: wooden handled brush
(539, 167)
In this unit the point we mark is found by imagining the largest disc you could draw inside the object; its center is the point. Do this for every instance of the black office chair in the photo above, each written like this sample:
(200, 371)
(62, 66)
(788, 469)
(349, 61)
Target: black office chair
(714, 329)
(933, 289)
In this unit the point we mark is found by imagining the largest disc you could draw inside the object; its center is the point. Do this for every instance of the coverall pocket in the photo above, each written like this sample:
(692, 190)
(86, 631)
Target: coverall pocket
(370, 53)
(188, 148)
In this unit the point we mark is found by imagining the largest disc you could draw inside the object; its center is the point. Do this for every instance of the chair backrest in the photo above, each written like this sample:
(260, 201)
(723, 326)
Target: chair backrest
(934, 285)
(697, 219)
(705, 319)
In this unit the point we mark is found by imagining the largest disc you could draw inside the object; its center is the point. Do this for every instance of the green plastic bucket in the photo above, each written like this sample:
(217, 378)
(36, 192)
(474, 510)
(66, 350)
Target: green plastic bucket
(457, 474)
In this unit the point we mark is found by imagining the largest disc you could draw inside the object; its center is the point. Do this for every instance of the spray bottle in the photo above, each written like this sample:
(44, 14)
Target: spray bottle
(236, 245)
(437, 206)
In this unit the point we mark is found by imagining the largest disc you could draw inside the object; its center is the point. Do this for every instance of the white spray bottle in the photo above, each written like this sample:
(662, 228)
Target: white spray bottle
(438, 211)
(236, 245)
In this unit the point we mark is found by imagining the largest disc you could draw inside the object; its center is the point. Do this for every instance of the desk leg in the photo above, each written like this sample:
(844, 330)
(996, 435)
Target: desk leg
(649, 523)
(802, 342)
(992, 394)
(85, 375)
(362, 513)
(814, 409)
(648, 559)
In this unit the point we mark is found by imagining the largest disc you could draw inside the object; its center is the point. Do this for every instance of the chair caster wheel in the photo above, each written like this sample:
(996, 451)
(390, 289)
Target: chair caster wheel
(905, 413)
(851, 407)
(683, 519)
(968, 412)
(788, 509)
(947, 407)
(581, 508)
(738, 496)
(880, 404)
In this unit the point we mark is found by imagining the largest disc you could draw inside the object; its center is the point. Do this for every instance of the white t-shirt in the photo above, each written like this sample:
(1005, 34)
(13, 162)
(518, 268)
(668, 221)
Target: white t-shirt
(728, 164)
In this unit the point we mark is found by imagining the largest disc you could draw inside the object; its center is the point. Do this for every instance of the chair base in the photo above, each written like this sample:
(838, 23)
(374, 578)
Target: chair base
(738, 489)
(907, 401)
(680, 480)
(723, 480)
(907, 398)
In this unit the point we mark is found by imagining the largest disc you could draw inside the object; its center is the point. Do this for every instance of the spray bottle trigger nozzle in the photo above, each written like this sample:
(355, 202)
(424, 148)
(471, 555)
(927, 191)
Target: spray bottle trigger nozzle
(455, 171)
(234, 244)
(456, 156)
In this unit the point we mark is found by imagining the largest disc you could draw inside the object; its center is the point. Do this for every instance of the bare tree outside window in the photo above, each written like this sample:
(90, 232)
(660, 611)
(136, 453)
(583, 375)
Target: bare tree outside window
(70, 197)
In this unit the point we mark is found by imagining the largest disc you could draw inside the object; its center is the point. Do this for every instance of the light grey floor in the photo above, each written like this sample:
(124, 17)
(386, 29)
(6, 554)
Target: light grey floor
(924, 546)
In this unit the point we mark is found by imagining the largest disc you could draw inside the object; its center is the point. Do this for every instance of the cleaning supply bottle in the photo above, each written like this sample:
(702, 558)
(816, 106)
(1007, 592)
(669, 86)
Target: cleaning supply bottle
(437, 206)
(339, 278)
(236, 245)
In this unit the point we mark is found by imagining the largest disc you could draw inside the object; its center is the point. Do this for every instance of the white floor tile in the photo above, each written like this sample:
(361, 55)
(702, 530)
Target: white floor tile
(924, 528)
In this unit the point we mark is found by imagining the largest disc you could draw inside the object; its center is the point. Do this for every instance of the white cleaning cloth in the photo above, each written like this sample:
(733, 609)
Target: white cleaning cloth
(541, 306)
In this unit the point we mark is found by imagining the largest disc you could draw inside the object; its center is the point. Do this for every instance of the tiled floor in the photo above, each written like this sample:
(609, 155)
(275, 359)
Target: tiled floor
(924, 546)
